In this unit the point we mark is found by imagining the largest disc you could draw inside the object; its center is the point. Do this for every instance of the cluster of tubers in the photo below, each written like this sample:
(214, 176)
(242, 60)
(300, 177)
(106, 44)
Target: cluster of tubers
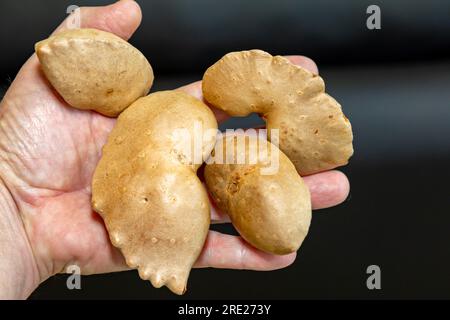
(145, 187)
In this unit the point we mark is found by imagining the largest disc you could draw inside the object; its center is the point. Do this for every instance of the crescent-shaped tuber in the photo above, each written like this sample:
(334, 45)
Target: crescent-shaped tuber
(313, 131)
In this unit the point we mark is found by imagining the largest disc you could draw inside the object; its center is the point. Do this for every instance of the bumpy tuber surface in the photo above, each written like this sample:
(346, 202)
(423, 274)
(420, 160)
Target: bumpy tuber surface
(313, 131)
(95, 70)
(146, 189)
(271, 211)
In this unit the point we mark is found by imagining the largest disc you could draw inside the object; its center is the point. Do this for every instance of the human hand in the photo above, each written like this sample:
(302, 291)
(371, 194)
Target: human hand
(48, 153)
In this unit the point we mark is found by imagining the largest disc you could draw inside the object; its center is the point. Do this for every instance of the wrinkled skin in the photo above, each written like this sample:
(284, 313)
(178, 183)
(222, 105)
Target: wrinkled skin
(48, 153)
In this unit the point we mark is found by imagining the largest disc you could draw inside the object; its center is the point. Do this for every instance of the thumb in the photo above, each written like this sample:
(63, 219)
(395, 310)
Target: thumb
(30, 98)
(121, 18)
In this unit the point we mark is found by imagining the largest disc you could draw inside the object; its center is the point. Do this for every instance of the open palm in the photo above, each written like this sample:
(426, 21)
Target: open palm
(48, 154)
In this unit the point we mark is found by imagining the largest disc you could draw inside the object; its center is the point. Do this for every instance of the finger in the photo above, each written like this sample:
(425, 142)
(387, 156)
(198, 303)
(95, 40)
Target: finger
(327, 188)
(231, 252)
(304, 62)
(121, 18)
(217, 216)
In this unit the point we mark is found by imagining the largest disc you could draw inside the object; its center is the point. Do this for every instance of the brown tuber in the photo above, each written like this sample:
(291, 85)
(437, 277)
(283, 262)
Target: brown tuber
(313, 131)
(146, 189)
(271, 209)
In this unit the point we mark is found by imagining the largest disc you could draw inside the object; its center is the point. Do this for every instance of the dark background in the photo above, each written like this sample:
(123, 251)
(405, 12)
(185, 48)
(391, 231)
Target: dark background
(394, 86)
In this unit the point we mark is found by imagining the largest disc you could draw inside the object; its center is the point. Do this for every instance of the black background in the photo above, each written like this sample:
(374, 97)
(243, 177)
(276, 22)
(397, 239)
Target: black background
(394, 86)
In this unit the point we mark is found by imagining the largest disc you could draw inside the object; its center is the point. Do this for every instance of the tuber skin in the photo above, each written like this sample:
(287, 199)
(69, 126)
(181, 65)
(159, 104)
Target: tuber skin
(95, 70)
(272, 211)
(146, 188)
(313, 131)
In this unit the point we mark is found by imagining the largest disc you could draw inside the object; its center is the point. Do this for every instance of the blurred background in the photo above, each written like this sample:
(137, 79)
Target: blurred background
(394, 86)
